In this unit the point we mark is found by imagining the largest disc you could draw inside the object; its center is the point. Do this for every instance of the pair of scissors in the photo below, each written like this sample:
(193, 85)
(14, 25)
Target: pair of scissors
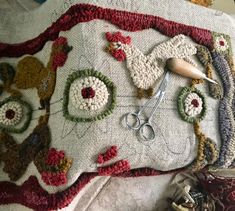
(147, 125)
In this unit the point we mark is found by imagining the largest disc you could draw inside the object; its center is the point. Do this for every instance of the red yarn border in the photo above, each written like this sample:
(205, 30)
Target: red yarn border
(30, 193)
(124, 20)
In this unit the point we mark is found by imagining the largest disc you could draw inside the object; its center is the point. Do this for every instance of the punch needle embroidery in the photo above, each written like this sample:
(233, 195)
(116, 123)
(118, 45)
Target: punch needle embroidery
(15, 115)
(53, 166)
(108, 155)
(7, 74)
(222, 43)
(146, 69)
(204, 56)
(31, 73)
(33, 194)
(17, 157)
(89, 90)
(191, 104)
(114, 168)
(89, 93)
(192, 108)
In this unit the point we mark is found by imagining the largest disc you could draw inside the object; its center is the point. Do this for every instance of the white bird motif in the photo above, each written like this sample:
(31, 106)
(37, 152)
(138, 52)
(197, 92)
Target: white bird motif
(146, 69)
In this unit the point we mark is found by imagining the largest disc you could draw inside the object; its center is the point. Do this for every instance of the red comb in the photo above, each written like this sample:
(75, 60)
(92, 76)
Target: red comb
(117, 37)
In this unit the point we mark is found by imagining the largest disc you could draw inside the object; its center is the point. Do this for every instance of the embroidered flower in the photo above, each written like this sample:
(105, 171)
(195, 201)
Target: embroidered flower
(11, 113)
(193, 104)
(15, 115)
(54, 157)
(54, 179)
(221, 43)
(89, 93)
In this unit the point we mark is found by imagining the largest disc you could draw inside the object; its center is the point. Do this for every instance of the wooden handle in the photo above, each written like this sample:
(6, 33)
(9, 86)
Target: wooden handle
(183, 68)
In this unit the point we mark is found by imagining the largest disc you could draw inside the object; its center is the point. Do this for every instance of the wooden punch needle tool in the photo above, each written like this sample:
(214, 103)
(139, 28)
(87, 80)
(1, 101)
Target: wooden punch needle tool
(186, 69)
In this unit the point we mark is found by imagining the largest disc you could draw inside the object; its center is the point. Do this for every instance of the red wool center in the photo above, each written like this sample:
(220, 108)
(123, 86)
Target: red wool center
(221, 42)
(195, 103)
(88, 92)
(10, 114)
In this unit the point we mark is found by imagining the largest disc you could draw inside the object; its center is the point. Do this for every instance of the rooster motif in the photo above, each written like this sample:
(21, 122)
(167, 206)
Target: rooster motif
(31, 73)
(146, 69)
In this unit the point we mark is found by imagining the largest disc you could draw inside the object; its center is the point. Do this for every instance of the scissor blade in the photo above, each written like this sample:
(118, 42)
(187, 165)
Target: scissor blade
(164, 82)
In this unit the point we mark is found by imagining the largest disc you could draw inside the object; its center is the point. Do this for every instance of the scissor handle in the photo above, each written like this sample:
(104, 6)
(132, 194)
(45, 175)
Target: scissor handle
(135, 117)
(147, 132)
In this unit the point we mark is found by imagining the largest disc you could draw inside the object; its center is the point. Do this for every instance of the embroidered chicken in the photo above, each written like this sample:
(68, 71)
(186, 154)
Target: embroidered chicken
(31, 73)
(146, 69)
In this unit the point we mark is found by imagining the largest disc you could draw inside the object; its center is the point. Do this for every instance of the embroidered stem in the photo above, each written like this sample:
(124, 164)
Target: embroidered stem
(207, 150)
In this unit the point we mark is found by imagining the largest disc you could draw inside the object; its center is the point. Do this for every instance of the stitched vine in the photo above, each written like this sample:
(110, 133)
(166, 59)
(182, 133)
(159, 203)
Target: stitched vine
(85, 102)
(226, 113)
(207, 150)
(192, 108)
(204, 56)
(15, 115)
(146, 69)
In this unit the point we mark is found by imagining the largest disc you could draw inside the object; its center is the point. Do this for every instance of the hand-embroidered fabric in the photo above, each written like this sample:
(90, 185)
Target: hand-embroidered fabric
(89, 93)
(11, 113)
(69, 91)
(146, 69)
(191, 104)
(88, 90)
(15, 115)
(31, 73)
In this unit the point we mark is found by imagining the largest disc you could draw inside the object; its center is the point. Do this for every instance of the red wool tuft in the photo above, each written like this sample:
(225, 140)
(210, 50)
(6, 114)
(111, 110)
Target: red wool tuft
(59, 60)
(88, 93)
(195, 103)
(116, 168)
(54, 179)
(65, 19)
(60, 41)
(108, 155)
(117, 37)
(119, 55)
(54, 157)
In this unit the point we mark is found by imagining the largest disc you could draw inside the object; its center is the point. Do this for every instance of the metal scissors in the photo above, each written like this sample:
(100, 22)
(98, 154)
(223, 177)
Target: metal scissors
(147, 126)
